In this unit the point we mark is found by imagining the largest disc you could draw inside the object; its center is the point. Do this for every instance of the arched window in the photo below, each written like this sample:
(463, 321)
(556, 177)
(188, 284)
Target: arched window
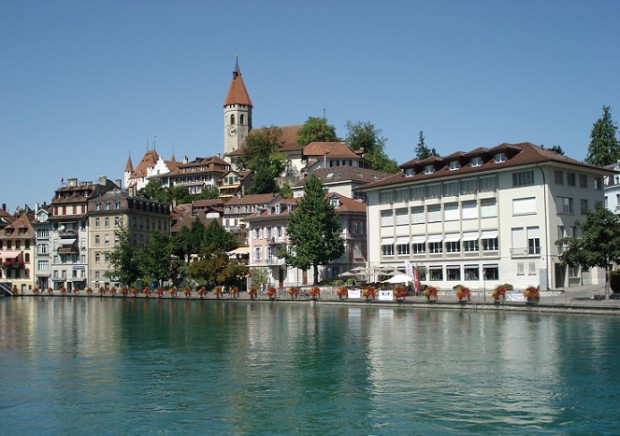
(232, 119)
(241, 119)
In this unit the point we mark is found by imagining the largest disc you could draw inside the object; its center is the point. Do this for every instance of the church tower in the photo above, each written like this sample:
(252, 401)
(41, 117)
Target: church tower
(237, 113)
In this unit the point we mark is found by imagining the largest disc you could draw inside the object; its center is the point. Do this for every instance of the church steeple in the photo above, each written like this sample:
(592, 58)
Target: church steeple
(237, 113)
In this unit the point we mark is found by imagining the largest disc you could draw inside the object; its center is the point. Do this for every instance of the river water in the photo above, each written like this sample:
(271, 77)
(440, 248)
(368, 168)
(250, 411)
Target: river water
(83, 365)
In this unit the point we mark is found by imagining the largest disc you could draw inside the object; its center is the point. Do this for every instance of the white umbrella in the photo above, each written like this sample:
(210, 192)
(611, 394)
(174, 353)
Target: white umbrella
(400, 278)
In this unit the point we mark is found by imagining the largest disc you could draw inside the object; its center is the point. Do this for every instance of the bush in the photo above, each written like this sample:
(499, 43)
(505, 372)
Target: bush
(614, 280)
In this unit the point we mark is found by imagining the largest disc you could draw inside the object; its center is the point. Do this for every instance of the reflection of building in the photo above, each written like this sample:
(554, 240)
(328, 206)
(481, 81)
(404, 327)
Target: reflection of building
(267, 236)
(69, 231)
(107, 214)
(17, 247)
(485, 217)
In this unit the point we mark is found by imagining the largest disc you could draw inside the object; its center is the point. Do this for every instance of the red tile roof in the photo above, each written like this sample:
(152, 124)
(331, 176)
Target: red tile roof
(333, 149)
(237, 93)
(288, 139)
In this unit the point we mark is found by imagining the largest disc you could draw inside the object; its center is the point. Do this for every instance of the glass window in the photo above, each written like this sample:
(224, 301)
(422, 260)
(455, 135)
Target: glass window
(451, 189)
(417, 215)
(387, 218)
(434, 213)
(451, 212)
(402, 249)
(471, 272)
(468, 186)
(469, 210)
(488, 208)
(453, 273)
(583, 181)
(435, 274)
(491, 272)
(418, 247)
(402, 217)
(433, 191)
(487, 184)
(500, 157)
(387, 249)
(417, 193)
(435, 247)
(570, 179)
(489, 244)
(476, 161)
(559, 177)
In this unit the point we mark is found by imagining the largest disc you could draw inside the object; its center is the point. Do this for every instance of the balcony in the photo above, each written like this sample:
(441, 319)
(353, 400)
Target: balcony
(525, 251)
(274, 260)
(275, 241)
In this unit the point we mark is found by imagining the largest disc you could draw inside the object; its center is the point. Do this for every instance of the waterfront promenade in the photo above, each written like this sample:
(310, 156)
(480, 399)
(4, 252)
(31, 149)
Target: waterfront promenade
(583, 299)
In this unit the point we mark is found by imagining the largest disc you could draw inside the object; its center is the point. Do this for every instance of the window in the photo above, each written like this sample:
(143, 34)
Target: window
(433, 191)
(598, 183)
(488, 208)
(117, 221)
(387, 247)
(401, 195)
(476, 161)
(487, 184)
(357, 250)
(429, 169)
(453, 273)
(453, 246)
(559, 177)
(387, 218)
(469, 210)
(451, 188)
(435, 274)
(97, 258)
(417, 215)
(524, 206)
(533, 240)
(434, 213)
(417, 193)
(97, 239)
(96, 222)
(256, 233)
(258, 254)
(500, 157)
(418, 247)
(385, 197)
(570, 179)
(402, 217)
(583, 206)
(106, 222)
(43, 233)
(488, 240)
(573, 271)
(583, 181)
(470, 242)
(490, 272)
(357, 228)
(468, 186)
(564, 204)
(434, 244)
(402, 246)
(454, 165)
(280, 232)
(525, 178)
(471, 272)
(43, 265)
(451, 212)
(520, 269)
(106, 239)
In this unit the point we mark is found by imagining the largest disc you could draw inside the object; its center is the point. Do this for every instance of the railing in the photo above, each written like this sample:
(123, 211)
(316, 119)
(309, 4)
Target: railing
(524, 252)
(5, 289)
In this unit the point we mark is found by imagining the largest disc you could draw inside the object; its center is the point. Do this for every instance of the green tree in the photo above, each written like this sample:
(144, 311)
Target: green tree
(259, 277)
(154, 191)
(217, 238)
(558, 149)
(260, 154)
(155, 257)
(421, 150)
(604, 148)
(316, 130)
(364, 135)
(123, 261)
(218, 269)
(313, 230)
(188, 240)
(599, 244)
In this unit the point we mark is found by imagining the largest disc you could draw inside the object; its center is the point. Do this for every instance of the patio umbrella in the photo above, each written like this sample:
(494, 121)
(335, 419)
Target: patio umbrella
(400, 278)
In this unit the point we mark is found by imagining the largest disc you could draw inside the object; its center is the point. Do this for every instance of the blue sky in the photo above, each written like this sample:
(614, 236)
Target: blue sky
(87, 83)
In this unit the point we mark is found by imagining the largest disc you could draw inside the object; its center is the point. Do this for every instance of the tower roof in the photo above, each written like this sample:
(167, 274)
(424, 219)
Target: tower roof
(237, 94)
(129, 165)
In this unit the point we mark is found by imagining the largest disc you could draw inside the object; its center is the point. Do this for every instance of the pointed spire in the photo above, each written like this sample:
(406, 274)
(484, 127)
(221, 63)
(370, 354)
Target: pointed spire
(237, 93)
(129, 165)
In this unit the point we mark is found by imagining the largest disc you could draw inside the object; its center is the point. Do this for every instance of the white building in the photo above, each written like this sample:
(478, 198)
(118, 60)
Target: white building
(483, 218)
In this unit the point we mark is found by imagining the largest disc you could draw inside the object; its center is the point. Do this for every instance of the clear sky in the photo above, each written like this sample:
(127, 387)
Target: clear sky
(85, 84)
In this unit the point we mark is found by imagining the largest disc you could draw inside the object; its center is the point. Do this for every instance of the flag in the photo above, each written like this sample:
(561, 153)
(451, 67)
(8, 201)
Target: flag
(416, 281)
(408, 268)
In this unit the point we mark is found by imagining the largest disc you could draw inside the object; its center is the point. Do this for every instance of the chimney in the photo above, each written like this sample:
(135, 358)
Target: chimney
(118, 183)
(102, 180)
(4, 207)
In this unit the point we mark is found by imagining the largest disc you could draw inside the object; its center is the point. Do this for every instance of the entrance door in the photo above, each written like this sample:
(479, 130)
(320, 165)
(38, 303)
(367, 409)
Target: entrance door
(560, 275)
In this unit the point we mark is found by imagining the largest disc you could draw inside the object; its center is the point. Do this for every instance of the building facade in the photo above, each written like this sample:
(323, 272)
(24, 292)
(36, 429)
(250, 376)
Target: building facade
(484, 218)
(17, 248)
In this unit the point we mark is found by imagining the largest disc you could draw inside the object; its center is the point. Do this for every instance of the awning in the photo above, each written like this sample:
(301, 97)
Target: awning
(453, 237)
(69, 241)
(387, 241)
(470, 236)
(418, 239)
(9, 255)
(489, 234)
(402, 240)
(240, 250)
(434, 238)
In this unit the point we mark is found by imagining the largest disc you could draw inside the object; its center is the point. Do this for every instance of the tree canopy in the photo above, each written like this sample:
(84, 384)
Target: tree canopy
(123, 262)
(313, 230)
(599, 244)
(155, 259)
(188, 240)
(604, 148)
(364, 135)
(260, 154)
(316, 130)
(155, 191)
(421, 150)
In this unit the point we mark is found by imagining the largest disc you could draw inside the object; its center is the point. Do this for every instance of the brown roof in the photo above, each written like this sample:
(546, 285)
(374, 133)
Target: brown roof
(237, 93)
(348, 204)
(523, 153)
(347, 173)
(288, 139)
(148, 160)
(21, 228)
(129, 166)
(333, 149)
(252, 199)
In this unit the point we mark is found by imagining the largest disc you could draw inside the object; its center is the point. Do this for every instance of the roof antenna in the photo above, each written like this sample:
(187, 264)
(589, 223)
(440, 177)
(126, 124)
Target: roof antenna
(324, 116)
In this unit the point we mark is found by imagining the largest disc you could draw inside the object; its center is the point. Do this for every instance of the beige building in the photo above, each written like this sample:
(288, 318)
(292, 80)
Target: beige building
(107, 213)
(17, 260)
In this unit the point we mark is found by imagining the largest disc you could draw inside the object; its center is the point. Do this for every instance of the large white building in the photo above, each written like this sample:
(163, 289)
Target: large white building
(485, 217)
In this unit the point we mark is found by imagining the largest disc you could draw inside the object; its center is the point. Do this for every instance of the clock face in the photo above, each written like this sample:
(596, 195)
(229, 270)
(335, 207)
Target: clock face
(232, 130)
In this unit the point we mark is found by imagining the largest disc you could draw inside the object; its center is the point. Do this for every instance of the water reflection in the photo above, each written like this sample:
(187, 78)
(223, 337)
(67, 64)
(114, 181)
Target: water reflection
(132, 365)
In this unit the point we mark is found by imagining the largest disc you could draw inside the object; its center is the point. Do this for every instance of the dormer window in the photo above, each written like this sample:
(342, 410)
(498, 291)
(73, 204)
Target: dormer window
(454, 165)
(409, 172)
(428, 169)
(334, 201)
(500, 157)
(476, 161)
